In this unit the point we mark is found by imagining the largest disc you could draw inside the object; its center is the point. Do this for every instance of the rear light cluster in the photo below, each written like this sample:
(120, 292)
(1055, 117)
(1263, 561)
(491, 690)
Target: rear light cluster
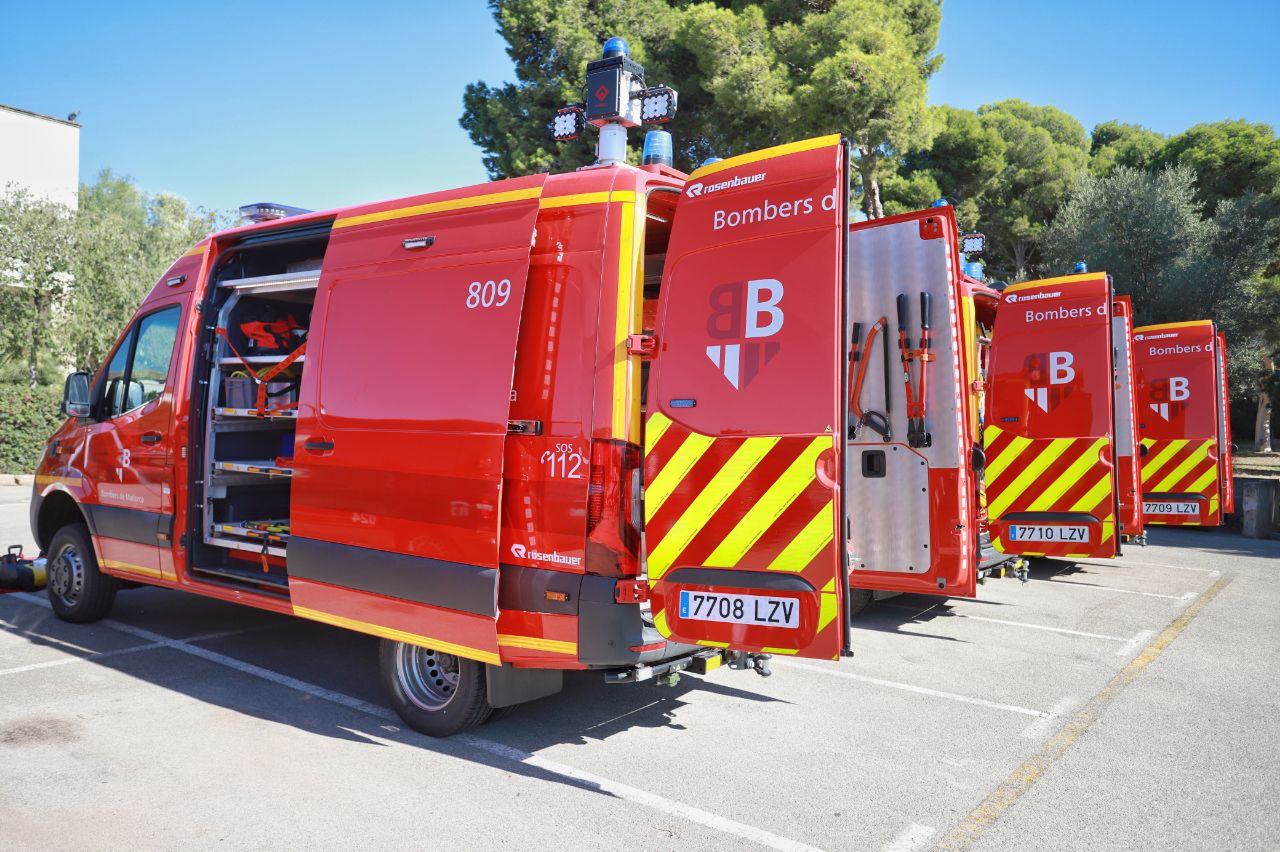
(613, 509)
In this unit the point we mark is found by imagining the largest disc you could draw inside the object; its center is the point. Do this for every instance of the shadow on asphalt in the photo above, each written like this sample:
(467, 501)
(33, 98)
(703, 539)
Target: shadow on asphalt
(346, 663)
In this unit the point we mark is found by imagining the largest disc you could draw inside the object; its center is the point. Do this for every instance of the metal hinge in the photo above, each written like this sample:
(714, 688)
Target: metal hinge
(631, 591)
(642, 345)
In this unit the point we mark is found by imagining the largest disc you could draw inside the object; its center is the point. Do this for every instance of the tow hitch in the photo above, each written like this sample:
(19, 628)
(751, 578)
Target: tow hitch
(743, 660)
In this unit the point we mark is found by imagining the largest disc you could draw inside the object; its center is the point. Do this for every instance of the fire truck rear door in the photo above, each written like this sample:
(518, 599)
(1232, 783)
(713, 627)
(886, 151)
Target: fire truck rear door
(1128, 466)
(742, 501)
(403, 411)
(1050, 439)
(912, 508)
(1179, 404)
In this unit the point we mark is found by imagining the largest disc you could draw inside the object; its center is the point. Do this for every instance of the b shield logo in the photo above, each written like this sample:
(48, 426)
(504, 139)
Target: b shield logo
(743, 319)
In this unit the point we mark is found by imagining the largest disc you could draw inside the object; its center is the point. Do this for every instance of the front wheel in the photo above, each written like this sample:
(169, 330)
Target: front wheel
(78, 591)
(435, 693)
(858, 600)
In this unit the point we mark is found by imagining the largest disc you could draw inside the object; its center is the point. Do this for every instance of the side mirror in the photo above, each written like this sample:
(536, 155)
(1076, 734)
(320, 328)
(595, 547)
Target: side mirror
(75, 395)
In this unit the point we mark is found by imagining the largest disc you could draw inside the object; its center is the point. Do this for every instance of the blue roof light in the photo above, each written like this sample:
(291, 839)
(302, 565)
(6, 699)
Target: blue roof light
(709, 160)
(657, 148)
(616, 47)
(1081, 266)
(941, 202)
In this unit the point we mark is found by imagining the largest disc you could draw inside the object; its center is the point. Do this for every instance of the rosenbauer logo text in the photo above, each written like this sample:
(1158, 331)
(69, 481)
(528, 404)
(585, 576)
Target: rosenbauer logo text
(693, 190)
(519, 551)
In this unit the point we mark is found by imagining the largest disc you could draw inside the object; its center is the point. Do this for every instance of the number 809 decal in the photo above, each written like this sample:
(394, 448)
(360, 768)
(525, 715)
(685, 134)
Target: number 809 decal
(489, 294)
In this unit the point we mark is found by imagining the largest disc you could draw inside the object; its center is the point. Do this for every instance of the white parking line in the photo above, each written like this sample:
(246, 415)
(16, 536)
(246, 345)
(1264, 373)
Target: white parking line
(1028, 625)
(914, 836)
(1097, 588)
(1040, 728)
(1124, 563)
(907, 687)
(1135, 643)
(605, 785)
(94, 656)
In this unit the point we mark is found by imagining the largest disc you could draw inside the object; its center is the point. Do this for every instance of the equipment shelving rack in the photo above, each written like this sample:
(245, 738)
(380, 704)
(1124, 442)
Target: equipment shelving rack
(223, 472)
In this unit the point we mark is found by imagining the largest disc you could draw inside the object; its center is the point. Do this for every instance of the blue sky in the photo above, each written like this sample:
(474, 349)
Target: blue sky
(321, 104)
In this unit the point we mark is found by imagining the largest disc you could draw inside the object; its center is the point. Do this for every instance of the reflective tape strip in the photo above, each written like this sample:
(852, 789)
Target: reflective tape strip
(708, 501)
(399, 635)
(996, 466)
(1188, 464)
(586, 198)
(441, 206)
(766, 154)
(537, 643)
(1024, 480)
(1068, 478)
(132, 569)
(1093, 496)
(623, 319)
(195, 250)
(797, 555)
(1149, 468)
(674, 472)
(1203, 482)
(829, 607)
(769, 507)
(1213, 505)
(654, 429)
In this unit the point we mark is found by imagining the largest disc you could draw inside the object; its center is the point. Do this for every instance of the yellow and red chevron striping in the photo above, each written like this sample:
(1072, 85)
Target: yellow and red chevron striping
(1060, 475)
(1183, 466)
(749, 503)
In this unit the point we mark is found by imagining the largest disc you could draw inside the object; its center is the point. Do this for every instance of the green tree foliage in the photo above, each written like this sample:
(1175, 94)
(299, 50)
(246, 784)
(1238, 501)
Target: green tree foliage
(1114, 143)
(1008, 167)
(36, 259)
(28, 416)
(1230, 159)
(749, 74)
(126, 240)
(1148, 230)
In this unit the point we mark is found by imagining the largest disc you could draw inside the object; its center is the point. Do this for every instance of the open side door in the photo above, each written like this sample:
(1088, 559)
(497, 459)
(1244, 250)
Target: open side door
(912, 491)
(402, 418)
(1179, 404)
(742, 501)
(1050, 433)
(1128, 463)
(1226, 460)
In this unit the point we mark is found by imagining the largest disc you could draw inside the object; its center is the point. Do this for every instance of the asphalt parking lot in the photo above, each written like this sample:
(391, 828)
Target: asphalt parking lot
(1133, 705)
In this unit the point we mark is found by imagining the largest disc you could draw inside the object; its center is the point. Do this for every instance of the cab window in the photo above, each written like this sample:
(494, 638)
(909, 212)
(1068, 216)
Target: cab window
(139, 368)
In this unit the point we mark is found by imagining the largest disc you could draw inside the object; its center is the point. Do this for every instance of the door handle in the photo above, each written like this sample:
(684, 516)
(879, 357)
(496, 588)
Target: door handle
(318, 445)
(151, 437)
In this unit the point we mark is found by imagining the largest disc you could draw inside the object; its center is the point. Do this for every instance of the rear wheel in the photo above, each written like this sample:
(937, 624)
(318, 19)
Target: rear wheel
(78, 591)
(435, 693)
(858, 600)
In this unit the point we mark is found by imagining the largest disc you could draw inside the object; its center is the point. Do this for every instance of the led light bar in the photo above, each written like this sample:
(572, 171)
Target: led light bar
(657, 105)
(266, 211)
(570, 123)
(973, 243)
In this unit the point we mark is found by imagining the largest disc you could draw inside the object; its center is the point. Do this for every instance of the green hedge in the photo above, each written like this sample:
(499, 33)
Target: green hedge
(27, 418)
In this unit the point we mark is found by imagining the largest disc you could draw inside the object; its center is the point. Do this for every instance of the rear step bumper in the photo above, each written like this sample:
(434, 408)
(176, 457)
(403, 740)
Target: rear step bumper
(700, 662)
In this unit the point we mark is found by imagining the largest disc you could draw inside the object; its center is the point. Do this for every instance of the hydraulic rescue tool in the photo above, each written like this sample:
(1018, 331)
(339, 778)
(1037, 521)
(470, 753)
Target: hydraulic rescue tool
(879, 423)
(917, 428)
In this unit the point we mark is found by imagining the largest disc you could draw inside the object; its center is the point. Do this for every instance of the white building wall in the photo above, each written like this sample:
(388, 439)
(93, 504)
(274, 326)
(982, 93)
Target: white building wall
(41, 154)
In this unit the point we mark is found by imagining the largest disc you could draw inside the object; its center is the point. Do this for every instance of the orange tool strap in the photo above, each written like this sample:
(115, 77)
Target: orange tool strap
(261, 379)
(917, 429)
(878, 422)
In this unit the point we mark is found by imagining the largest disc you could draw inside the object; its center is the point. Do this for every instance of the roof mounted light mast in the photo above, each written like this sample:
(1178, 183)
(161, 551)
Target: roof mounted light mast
(616, 99)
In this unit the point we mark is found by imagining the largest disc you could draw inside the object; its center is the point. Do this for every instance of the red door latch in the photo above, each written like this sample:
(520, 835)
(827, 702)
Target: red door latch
(631, 591)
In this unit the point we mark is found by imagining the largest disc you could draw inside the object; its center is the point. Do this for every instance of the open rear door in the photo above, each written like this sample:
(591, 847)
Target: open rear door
(1226, 458)
(742, 451)
(1179, 414)
(912, 496)
(1128, 464)
(1050, 433)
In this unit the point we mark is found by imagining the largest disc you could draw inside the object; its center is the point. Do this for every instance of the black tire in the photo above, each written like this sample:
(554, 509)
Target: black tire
(78, 591)
(858, 600)
(435, 694)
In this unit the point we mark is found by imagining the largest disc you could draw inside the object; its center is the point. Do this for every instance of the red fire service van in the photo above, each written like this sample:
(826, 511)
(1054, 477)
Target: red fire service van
(596, 420)
(1050, 435)
(1182, 415)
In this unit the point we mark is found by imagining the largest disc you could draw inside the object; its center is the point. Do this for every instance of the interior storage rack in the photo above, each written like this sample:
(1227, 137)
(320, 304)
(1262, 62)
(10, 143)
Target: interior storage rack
(248, 444)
